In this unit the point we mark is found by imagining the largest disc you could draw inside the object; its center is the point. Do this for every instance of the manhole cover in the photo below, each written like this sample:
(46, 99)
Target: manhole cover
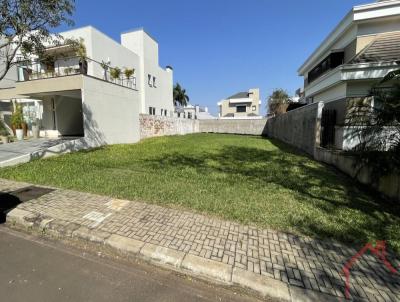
(31, 192)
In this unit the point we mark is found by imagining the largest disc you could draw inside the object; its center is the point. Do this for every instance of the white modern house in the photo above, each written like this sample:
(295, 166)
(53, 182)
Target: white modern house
(242, 105)
(194, 112)
(71, 98)
(359, 51)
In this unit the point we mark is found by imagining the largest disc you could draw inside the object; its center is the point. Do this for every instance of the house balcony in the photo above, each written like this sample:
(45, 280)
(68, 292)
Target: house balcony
(68, 67)
(350, 72)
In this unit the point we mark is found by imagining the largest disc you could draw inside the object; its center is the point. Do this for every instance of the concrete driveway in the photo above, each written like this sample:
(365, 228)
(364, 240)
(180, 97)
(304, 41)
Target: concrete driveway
(11, 153)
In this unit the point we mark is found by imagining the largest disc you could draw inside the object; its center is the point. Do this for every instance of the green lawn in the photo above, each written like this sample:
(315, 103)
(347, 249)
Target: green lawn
(246, 179)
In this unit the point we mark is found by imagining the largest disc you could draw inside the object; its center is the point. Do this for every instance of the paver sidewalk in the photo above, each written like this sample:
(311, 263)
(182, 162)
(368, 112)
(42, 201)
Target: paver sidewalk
(303, 263)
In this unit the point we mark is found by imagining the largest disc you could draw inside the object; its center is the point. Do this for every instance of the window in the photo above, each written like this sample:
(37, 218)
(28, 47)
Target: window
(165, 112)
(152, 111)
(330, 62)
(154, 82)
(254, 108)
(189, 115)
(149, 76)
(162, 112)
(240, 108)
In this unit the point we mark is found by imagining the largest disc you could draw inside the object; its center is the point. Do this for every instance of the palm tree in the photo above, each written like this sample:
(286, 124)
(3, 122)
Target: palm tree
(180, 96)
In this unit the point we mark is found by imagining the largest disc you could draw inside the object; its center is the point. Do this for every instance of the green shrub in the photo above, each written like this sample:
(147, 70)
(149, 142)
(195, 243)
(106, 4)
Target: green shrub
(17, 118)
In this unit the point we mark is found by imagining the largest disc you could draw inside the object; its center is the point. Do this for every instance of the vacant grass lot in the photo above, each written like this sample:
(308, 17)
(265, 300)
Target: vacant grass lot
(246, 179)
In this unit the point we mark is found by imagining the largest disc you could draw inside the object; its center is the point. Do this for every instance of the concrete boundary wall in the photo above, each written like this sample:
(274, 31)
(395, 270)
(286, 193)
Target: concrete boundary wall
(301, 128)
(234, 126)
(154, 125)
(297, 127)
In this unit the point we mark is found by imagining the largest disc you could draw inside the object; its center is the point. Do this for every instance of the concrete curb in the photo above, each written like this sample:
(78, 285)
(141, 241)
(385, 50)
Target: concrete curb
(304, 295)
(124, 244)
(265, 286)
(23, 219)
(196, 266)
(162, 255)
(208, 268)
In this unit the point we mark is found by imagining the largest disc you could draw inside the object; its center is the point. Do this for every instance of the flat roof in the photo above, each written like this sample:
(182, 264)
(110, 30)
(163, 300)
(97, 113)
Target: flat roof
(139, 29)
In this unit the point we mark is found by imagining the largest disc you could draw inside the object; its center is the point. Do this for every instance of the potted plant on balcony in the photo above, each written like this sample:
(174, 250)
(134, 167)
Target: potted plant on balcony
(115, 73)
(48, 62)
(81, 53)
(128, 74)
(3, 133)
(68, 70)
(105, 66)
(17, 122)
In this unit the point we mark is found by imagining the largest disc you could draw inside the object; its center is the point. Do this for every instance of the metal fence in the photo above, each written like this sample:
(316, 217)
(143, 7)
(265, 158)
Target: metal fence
(328, 123)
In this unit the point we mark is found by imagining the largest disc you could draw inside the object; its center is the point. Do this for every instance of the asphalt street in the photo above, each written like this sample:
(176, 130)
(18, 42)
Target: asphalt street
(33, 269)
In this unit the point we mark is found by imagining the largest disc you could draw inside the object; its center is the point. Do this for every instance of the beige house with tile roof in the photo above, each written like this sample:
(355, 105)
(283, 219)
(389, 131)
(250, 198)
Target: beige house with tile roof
(241, 105)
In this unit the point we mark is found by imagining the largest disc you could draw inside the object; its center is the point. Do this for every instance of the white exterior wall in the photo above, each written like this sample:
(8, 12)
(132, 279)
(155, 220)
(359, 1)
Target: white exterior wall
(110, 113)
(69, 119)
(331, 94)
(161, 96)
(10, 78)
(378, 26)
(359, 88)
(100, 47)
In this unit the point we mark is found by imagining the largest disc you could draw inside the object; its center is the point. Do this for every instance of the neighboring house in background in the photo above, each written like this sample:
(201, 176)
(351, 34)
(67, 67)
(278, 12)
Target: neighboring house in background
(360, 51)
(70, 100)
(241, 105)
(195, 112)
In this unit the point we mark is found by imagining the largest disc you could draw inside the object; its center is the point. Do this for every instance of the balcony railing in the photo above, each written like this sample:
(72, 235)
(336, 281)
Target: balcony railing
(61, 67)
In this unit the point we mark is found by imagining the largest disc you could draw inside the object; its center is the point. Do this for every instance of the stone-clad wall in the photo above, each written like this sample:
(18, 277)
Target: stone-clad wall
(297, 127)
(153, 125)
(234, 126)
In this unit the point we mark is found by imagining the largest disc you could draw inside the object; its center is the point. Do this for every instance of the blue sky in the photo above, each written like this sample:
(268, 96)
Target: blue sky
(220, 47)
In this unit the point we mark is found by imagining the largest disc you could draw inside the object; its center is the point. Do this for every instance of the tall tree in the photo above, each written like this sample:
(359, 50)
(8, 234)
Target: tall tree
(180, 96)
(276, 100)
(25, 26)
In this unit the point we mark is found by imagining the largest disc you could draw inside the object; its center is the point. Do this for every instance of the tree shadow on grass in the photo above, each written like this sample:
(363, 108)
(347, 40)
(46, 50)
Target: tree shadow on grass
(308, 182)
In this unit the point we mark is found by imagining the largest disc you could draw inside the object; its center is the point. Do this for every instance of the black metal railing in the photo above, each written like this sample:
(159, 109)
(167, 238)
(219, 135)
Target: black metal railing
(60, 67)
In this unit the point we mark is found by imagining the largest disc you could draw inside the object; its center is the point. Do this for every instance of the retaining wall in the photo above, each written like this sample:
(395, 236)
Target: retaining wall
(389, 185)
(153, 125)
(234, 126)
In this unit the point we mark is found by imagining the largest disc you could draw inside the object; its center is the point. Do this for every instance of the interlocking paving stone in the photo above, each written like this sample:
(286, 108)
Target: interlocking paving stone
(296, 260)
